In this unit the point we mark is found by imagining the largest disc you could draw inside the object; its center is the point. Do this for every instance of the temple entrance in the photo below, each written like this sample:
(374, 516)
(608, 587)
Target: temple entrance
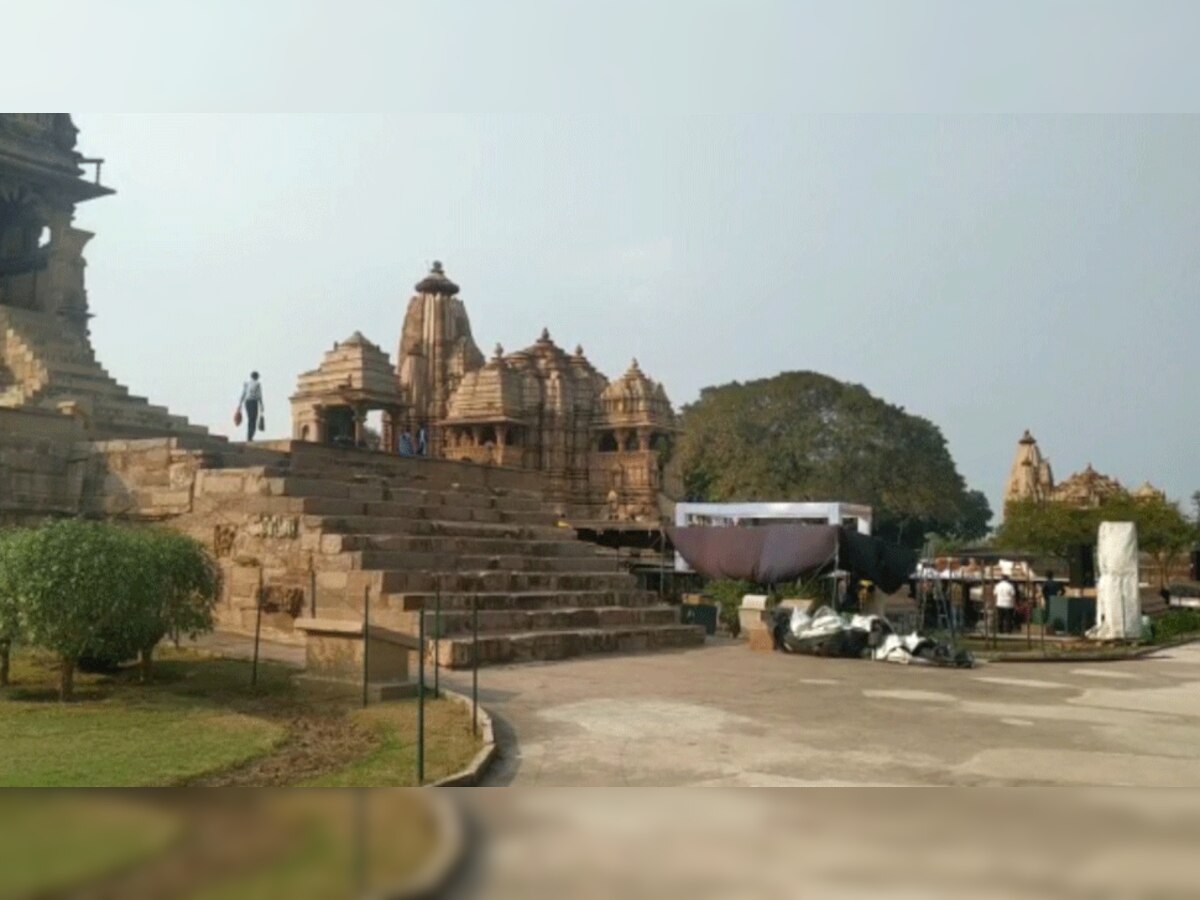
(339, 425)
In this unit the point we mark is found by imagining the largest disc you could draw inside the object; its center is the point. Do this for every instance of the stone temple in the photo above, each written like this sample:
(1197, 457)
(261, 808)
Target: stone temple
(309, 528)
(602, 445)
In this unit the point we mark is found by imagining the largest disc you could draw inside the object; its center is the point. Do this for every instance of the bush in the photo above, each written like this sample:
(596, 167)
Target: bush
(10, 619)
(100, 594)
(728, 594)
(1176, 623)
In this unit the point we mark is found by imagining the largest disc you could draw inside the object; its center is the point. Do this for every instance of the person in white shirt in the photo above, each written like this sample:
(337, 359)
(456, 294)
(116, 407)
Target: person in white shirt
(1006, 605)
(252, 403)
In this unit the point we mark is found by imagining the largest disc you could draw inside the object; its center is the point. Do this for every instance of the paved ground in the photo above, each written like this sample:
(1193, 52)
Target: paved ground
(722, 715)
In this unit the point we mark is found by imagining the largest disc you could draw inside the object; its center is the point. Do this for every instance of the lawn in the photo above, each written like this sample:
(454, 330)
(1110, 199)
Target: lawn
(201, 722)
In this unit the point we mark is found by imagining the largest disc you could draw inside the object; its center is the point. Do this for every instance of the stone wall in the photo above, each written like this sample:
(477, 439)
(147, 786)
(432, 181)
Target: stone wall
(42, 465)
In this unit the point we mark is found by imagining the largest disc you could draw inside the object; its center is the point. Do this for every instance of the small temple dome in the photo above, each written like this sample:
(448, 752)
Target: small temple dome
(436, 282)
(635, 398)
(494, 393)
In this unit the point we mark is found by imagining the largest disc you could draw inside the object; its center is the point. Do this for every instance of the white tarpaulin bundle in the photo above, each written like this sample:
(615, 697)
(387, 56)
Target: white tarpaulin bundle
(1118, 606)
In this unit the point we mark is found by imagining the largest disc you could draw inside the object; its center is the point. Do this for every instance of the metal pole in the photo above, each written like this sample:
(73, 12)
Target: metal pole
(366, 643)
(662, 564)
(421, 699)
(257, 633)
(437, 641)
(475, 665)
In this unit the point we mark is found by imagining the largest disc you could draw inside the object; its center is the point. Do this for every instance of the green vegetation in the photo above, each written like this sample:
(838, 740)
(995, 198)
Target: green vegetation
(50, 842)
(122, 734)
(200, 721)
(1053, 528)
(804, 436)
(1176, 624)
(88, 590)
(449, 745)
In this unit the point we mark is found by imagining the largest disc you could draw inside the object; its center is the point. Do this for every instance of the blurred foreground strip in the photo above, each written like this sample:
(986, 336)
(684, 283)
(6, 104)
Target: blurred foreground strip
(680, 843)
(225, 844)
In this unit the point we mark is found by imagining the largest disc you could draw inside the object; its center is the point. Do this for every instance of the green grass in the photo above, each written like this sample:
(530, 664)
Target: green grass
(119, 733)
(201, 716)
(48, 842)
(449, 745)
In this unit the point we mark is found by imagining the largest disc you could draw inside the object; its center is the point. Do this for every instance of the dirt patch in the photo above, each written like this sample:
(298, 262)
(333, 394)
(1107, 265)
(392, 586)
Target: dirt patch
(316, 743)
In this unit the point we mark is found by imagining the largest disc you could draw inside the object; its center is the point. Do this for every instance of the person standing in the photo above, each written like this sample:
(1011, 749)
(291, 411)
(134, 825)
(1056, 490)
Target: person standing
(252, 404)
(1006, 604)
(1050, 590)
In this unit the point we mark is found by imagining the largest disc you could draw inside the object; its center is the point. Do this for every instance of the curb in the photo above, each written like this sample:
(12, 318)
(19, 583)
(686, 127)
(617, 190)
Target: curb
(473, 773)
(1138, 653)
(432, 879)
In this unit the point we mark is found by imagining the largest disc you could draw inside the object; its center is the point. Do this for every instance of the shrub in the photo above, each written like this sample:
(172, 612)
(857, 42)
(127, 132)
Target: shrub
(10, 618)
(76, 585)
(1176, 623)
(99, 594)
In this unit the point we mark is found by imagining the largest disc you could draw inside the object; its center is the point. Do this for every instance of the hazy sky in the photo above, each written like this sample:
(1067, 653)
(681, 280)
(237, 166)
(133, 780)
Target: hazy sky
(989, 272)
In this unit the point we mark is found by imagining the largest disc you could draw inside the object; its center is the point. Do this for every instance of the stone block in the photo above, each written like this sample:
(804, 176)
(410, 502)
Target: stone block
(760, 639)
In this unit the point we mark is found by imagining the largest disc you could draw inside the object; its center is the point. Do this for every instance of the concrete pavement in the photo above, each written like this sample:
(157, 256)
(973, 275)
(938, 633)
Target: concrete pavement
(724, 716)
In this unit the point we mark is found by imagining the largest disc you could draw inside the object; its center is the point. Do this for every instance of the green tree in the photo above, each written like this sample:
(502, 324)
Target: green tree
(77, 583)
(1047, 528)
(805, 436)
(10, 609)
(180, 593)
(1164, 531)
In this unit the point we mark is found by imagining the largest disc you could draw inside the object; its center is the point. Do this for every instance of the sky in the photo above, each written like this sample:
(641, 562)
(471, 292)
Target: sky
(993, 235)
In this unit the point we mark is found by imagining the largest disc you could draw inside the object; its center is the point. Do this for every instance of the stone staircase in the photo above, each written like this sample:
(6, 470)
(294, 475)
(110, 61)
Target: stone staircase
(330, 530)
(47, 367)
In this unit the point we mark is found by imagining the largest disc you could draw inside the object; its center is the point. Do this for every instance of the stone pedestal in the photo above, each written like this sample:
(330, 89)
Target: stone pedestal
(334, 653)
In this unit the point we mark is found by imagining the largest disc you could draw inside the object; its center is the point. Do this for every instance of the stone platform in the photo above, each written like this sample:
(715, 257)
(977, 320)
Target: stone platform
(320, 531)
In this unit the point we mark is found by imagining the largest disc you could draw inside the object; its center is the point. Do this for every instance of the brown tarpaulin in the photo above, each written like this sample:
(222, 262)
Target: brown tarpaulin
(774, 554)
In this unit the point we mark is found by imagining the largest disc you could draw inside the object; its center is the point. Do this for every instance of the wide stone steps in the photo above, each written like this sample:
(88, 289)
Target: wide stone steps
(508, 550)
(414, 579)
(330, 506)
(379, 525)
(527, 646)
(457, 623)
(505, 600)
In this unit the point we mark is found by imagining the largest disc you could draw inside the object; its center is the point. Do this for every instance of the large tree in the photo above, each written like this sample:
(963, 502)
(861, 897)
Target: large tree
(805, 436)
(1164, 532)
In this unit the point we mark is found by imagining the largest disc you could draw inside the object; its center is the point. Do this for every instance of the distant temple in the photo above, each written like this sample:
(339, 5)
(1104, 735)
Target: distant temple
(1032, 479)
(601, 444)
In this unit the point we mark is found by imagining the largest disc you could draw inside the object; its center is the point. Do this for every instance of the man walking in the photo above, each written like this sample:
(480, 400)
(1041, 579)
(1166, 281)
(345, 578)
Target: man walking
(252, 403)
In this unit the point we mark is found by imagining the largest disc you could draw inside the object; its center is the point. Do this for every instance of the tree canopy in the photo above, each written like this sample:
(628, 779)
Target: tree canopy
(1053, 528)
(806, 436)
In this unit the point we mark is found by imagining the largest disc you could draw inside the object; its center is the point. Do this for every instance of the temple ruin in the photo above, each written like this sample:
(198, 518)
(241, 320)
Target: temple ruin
(316, 528)
(602, 445)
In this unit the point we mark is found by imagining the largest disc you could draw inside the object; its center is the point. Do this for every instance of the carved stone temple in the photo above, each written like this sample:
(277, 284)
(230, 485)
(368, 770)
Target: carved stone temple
(314, 529)
(1031, 478)
(602, 445)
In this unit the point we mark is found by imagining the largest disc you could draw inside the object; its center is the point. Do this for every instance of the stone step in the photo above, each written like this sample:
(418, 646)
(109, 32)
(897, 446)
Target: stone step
(377, 490)
(459, 623)
(525, 600)
(400, 580)
(384, 509)
(401, 525)
(506, 548)
(528, 646)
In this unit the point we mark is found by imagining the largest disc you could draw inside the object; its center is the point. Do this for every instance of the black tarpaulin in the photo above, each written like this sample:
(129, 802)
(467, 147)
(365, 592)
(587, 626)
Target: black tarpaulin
(773, 554)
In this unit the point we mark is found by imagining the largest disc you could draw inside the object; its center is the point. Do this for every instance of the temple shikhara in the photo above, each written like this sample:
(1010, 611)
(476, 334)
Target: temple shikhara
(1031, 478)
(602, 445)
